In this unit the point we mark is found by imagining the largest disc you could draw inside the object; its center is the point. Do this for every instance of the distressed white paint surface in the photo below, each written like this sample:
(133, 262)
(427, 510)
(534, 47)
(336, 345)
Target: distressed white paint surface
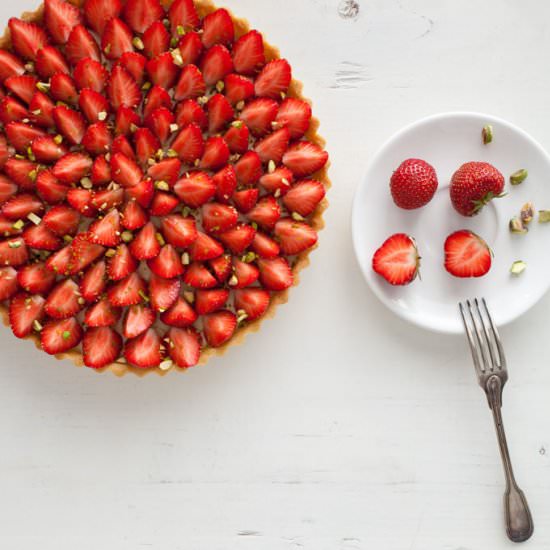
(355, 431)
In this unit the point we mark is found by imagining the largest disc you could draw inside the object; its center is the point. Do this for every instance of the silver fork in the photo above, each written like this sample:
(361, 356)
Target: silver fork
(490, 365)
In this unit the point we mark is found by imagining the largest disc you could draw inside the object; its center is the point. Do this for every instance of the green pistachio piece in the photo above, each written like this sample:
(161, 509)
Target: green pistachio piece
(519, 177)
(518, 268)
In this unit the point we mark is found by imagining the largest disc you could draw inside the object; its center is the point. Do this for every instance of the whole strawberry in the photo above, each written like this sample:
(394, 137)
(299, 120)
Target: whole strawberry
(413, 184)
(474, 185)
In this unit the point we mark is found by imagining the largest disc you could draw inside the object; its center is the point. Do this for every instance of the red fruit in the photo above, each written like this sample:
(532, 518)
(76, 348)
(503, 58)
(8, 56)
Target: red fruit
(102, 314)
(72, 167)
(9, 282)
(133, 216)
(163, 71)
(184, 347)
(304, 197)
(238, 88)
(146, 145)
(61, 261)
(189, 144)
(198, 276)
(70, 124)
(123, 89)
(62, 220)
(144, 351)
(49, 61)
(218, 28)
(190, 112)
(20, 206)
(238, 239)
(81, 200)
(294, 237)
(156, 39)
(216, 64)
(413, 184)
(11, 110)
(33, 278)
(259, 115)
(205, 248)
(249, 168)
(93, 104)
(145, 245)
(106, 231)
(216, 154)
(221, 267)
(167, 264)
(166, 170)
(190, 47)
(62, 301)
(39, 237)
(182, 13)
(305, 158)
(218, 217)
(160, 123)
(22, 172)
(157, 97)
(467, 255)
(93, 282)
(253, 301)
(23, 312)
(274, 146)
(163, 292)
(248, 53)
(190, 84)
(84, 253)
(60, 18)
(135, 64)
(195, 189)
(474, 185)
(50, 188)
(179, 231)
(275, 274)
(22, 135)
(81, 44)
(219, 327)
(125, 171)
(277, 181)
(142, 192)
(397, 260)
(7, 189)
(46, 149)
(274, 79)
(5, 152)
(237, 138)
(163, 204)
(23, 86)
(139, 14)
(121, 264)
(41, 110)
(98, 139)
(27, 38)
(220, 113)
(107, 199)
(181, 314)
(265, 246)
(294, 114)
(226, 183)
(122, 145)
(266, 213)
(126, 120)
(60, 336)
(10, 65)
(116, 39)
(90, 74)
(128, 292)
(99, 12)
(63, 88)
(244, 274)
(208, 301)
(139, 318)
(100, 347)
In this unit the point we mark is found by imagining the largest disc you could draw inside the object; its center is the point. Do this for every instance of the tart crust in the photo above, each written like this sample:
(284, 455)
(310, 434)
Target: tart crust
(120, 369)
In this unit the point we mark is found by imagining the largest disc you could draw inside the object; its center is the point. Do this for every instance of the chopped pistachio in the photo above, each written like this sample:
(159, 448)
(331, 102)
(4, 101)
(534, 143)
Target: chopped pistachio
(86, 183)
(58, 139)
(102, 115)
(185, 259)
(177, 57)
(186, 211)
(36, 325)
(518, 268)
(33, 174)
(34, 218)
(110, 253)
(516, 225)
(67, 238)
(138, 43)
(171, 153)
(220, 86)
(233, 281)
(127, 236)
(487, 134)
(29, 67)
(160, 239)
(237, 124)
(81, 301)
(146, 86)
(19, 224)
(14, 244)
(174, 127)
(162, 185)
(297, 217)
(30, 154)
(166, 365)
(249, 257)
(544, 216)
(107, 49)
(180, 30)
(240, 105)
(519, 177)
(144, 296)
(37, 112)
(189, 296)
(271, 166)
(527, 213)
(277, 193)
(43, 87)
(241, 316)
(66, 335)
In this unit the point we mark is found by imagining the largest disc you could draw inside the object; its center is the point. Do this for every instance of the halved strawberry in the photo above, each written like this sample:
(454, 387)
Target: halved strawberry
(33, 278)
(216, 64)
(93, 282)
(125, 171)
(39, 237)
(100, 347)
(274, 146)
(121, 264)
(265, 246)
(195, 189)
(50, 60)
(189, 144)
(62, 220)
(106, 231)
(295, 114)
(135, 64)
(275, 274)
(160, 123)
(145, 245)
(80, 45)
(22, 135)
(106, 199)
(123, 89)
(81, 200)
(5, 151)
(216, 154)
(274, 79)
(143, 192)
(166, 170)
(304, 197)
(183, 14)
(167, 264)
(23, 86)
(11, 110)
(60, 336)
(63, 300)
(184, 347)
(237, 137)
(72, 167)
(20, 206)
(9, 228)
(467, 255)
(84, 252)
(219, 327)
(157, 97)
(226, 183)
(97, 139)
(60, 18)
(50, 188)
(208, 301)
(190, 112)
(26, 38)
(278, 181)
(9, 282)
(63, 89)
(163, 204)
(181, 314)
(220, 113)
(116, 39)
(126, 120)
(248, 53)
(217, 28)
(139, 14)
(253, 301)
(238, 239)
(122, 145)
(99, 12)
(244, 274)
(205, 248)
(294, 237)
(7, 189)
(163, 71)
(397, 260)
(198, 276)
(259, 115)
(128, 292)
(221, 267)
(305, 158)
(146, 145)
(21, 171)
(218, 217)
(249, 168)
(133, 216)
(145, 350)
(41, 110)
(179, 231)
(237, 88)
(61, 261)
(156, 39)
(191, 48)
(190, 84)
(46, 149)
(70, 123)
(93, 104)
(10, 65)
(24, 310)
(90, 74)
(102, 314)
(139, 318)
(101, 172)
(163, 292)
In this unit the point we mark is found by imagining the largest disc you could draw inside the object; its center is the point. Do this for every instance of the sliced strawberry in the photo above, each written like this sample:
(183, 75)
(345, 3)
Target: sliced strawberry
(91, 75)
(179, 231)
(50, 60)
(220, 113)
(238, 239)
(99, 12)
(126, 120)
(21, 171)
(274, 79)
(216, 64)
(22, 135)
(84, 252)
(72, 167)
(121, 264)
(275, 274)
(7, 189)
(143, 192)
(265, 246)
(63, 300)
(10, 65)
(244, 274)
(397, 260)
(190, 84)
(133, 216)
(166, 170)
(216, 154)
(61, 261)
(23, 86)
(183, 15)
(41, 110)
(11, 110)
(198, 276)
(39, 237)
(274, 146)
(139, 14)
(24, 310)
(27, 38)
(157, 97)
(135, 64)
(181, 314)
(237, 137)
(9, 281)
(146, 145)
(184, 347)
(62, 220)
(294, 237)
(163, 71)
(226, 183)
(97, 139)
(101, 171)
(205, 248)
(81, 200)
(145, 350)
(145, 245)
(190, 112)
(249, 168)
(195, 189)
(116, 39)
(50, 188)
(128, 292)
(20, 206)
(70, 124)
(102, 314)
(218, 28)
(208, 301)
(248, 53)
(60, 18)
(221, 267)
(218, 217)
(80, 45)
(156, 39)
(122, 145)
(253, 301)
(305, 158)
(277, 182)
(167, 264)
(46, 149)
(9, 228)
(60, 336)
(163, 292)
(138, 319)
(295, 114)
(125, 171)
(219, 327)
(33, 278)
(163, 204)
(189, 144)
(259, 115)
(304, 197)
(160, 123)
(123, 89)
(93, 105)
(238, 88)
(93, 282)
(191, 48)
(106, 231)
(108, 198)
(5, 151)
(467, 255)
(100, 347)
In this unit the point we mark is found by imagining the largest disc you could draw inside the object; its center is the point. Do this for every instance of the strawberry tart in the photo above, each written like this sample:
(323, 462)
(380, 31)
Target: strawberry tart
(161, 181)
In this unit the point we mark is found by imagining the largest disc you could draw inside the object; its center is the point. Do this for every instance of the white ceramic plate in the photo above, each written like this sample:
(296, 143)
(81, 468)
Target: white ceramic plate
(447, 141)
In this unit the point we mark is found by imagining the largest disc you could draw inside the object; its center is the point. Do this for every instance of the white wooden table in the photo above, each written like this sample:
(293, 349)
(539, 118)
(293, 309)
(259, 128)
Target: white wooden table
(338, 426)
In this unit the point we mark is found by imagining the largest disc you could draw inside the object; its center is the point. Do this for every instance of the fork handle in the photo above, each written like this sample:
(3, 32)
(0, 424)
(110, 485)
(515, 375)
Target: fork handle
(519, 523)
